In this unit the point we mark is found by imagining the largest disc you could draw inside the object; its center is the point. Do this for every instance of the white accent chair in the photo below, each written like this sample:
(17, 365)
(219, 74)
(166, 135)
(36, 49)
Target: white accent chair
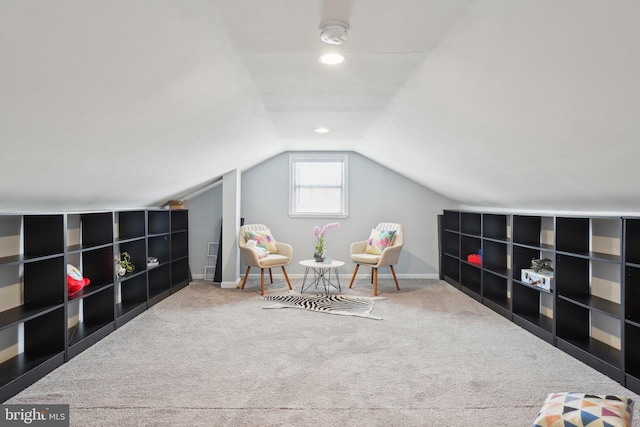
(250, 258)
(388, 257)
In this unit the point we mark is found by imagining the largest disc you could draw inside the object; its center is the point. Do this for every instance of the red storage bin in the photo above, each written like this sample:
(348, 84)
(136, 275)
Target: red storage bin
(474, 259)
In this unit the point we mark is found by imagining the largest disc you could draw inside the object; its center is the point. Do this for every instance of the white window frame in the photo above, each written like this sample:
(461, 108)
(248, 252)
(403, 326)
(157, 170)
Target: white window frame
(295, 158)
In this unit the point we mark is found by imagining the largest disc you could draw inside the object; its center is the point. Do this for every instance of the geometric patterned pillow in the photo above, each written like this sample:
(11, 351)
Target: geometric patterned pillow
(379, 240)
(263, 239)
(585, 410)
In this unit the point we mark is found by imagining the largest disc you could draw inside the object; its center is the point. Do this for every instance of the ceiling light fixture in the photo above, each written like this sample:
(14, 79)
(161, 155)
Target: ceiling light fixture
(322, 130)
(332, 58)
(334, 32)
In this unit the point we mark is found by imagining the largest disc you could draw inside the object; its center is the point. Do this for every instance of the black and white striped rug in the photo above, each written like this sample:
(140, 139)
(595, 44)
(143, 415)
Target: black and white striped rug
(333, 304)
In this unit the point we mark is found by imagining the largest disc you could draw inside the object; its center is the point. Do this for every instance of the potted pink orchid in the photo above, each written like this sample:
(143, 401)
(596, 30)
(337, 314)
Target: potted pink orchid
(318, 235)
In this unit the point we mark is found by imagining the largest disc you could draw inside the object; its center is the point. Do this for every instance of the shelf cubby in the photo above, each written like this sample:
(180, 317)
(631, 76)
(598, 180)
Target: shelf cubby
(96, 320)
(451, 269)
(159, 222)
(632, 241)
(471, 223)
(137, 250)
(574, 334)
(131, 224)
(179, 220)
(451, 221)
(471, 280)
(495, 226)
(521, 258)
(179, 273)
(469, 246)
(528, 311)
(97, 229)
(451, 243)
(179, 245)
(97, 266)
(632, 353)
(495, 257)
(526, 230)
(632, 293)
(43, 235)
(44, 350)
(132, 293)
(159, 247)
(495, 289)
(572, 235)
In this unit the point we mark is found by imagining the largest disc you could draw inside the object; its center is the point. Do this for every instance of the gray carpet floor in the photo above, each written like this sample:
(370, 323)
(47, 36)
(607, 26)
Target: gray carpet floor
(214, 357)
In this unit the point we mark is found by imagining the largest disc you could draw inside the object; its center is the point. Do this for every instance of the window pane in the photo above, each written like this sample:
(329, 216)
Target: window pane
(323, 200)
(316, 173)
(318, 185)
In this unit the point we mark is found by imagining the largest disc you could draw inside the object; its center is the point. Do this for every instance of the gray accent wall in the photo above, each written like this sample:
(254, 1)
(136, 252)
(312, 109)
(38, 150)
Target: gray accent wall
(376, 194)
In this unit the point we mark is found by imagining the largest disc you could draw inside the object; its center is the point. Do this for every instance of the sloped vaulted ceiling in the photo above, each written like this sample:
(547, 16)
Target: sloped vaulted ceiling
(525, 104)
(529, 104)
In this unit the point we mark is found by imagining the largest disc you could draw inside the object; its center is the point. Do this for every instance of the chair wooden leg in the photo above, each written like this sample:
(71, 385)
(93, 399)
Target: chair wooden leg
(262, 281)
(372, 270)
(270, 276)
(394, 277)
(245, 277)
(375, 282)
(354, 275)
(286, 277)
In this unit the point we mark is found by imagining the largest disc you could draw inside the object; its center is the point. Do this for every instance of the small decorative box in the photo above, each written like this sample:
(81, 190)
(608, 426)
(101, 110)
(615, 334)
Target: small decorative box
(542, 280)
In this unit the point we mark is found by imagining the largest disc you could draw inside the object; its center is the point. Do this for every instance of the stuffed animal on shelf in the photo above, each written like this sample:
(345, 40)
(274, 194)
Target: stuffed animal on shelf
(258, 250)
(543, 264)
(75, 281)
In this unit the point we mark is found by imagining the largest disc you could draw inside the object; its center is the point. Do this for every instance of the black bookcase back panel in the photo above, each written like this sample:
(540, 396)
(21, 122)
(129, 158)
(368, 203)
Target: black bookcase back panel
(97, 229)
(451, 267)
(159, 222)
(471, 223)
(43, 235)
(572, 276)
(131, 224)
(572, 235)
(495, 226)
(632, 294)
(44, 282)
(632, 241)
(179, 220)
(526, 230)
(97, 265)
(451, 220)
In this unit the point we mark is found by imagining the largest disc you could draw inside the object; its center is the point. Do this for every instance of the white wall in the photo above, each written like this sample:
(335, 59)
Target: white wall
(376, 194)
(205, 216)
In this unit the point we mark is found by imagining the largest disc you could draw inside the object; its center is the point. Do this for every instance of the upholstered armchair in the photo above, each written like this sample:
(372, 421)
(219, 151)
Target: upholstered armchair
(381, 250)
(259, 249)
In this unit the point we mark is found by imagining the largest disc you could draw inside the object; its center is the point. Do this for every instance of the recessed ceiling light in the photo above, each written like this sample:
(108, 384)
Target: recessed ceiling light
(332, 58)
(322, 130)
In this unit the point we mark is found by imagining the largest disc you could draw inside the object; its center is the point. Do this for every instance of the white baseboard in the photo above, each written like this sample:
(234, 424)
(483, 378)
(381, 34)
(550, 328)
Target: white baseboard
(231, 285)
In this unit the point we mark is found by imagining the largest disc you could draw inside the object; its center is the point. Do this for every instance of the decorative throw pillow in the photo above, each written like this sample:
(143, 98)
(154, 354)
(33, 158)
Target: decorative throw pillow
(580, 410)
(379, 240)
(263, 239)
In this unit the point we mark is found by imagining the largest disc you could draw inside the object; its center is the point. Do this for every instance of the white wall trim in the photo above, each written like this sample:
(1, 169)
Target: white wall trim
(224, 285)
